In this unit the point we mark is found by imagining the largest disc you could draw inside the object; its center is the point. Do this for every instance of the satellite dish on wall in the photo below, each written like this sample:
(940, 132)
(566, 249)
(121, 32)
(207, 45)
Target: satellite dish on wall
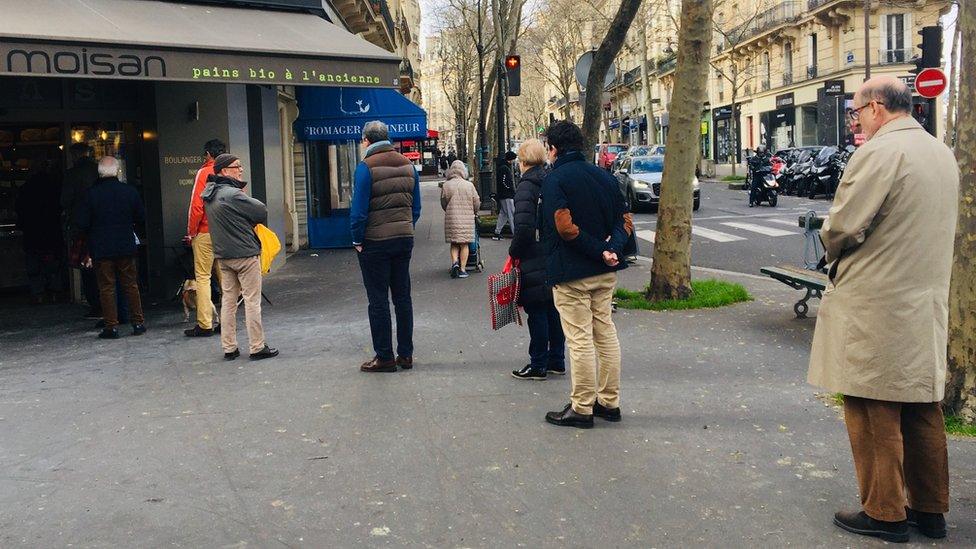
(583, 70)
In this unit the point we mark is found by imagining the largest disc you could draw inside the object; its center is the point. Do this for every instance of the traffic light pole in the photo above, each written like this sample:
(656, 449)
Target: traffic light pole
(867, 40)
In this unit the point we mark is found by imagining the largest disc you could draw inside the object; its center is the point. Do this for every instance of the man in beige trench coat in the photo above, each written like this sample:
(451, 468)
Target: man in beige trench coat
(881, 328)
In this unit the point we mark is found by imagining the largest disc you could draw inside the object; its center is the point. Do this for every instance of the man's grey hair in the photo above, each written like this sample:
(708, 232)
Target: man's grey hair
(108, 166)
(375, 131)
(894, 95)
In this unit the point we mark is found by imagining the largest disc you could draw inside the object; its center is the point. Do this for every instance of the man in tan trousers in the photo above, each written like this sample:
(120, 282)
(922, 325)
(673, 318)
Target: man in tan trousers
(233, 216)
(198, 235)
(881, 329)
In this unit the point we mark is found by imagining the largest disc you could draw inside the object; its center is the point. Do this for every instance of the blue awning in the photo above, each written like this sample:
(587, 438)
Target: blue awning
(339, 114)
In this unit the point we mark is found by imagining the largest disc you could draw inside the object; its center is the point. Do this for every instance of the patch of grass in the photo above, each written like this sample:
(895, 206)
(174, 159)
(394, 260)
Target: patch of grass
(734, 178)
(954, 425)
(706, 294)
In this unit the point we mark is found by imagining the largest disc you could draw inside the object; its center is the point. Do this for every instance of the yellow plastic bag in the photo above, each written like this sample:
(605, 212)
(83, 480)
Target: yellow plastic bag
(270, 246)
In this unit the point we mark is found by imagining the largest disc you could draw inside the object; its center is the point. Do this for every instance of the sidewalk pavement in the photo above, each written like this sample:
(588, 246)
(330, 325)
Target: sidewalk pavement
(156, 441)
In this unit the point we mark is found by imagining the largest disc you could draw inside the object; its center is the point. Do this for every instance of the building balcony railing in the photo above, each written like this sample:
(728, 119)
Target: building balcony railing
(780, 14)
(894, 57)
(764, 84)
(787, 78)
(812, 71)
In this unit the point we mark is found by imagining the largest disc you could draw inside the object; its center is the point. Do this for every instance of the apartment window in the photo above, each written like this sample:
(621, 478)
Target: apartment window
(894, 40)
(787, 64)
(767, 67)
(812, 62)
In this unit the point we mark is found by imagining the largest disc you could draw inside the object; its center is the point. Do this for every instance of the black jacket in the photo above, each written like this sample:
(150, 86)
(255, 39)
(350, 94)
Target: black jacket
(524, 245)
(109, 216)
(506, 182)
(591, 212)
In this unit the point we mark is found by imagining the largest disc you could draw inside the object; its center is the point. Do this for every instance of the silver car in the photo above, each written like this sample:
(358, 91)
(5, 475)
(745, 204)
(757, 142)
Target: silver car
(640, 182)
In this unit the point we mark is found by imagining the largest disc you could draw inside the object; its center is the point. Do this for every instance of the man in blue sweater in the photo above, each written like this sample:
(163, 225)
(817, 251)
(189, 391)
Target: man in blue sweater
(585, 225)
(385, 208)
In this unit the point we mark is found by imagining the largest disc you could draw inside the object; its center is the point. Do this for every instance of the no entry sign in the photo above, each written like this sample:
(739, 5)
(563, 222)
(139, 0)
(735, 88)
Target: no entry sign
(930, 83)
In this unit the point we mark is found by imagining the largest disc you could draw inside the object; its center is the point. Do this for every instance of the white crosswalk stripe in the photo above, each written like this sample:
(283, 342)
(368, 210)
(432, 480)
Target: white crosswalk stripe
(761, 229)
(646, 235)
(791, 222)
(717, 236)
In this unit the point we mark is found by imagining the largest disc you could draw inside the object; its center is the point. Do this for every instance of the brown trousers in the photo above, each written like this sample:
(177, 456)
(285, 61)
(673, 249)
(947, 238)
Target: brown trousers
(241, 278)
(898, 446)
(125, 268)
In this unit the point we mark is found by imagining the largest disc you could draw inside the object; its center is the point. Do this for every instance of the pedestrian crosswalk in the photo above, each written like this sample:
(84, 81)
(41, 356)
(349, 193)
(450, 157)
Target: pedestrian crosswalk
(733, 231)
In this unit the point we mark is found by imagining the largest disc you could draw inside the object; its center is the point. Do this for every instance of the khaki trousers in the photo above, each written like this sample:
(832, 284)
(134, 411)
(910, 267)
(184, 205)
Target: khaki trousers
(241, 277)
(584, 310)
(898, 446)
(203, 267)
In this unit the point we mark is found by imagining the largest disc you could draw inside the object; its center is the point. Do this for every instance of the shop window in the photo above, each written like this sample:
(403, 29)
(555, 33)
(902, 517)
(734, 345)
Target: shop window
(331, 167)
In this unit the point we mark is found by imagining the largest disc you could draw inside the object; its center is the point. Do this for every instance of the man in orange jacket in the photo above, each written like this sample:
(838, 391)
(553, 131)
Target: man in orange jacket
(198, 232)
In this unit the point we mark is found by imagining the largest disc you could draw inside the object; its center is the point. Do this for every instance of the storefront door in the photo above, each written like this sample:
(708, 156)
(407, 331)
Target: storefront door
(330, 167)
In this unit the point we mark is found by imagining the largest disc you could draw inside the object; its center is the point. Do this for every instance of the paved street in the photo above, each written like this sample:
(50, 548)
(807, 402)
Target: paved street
(155, 441)
(728, 234)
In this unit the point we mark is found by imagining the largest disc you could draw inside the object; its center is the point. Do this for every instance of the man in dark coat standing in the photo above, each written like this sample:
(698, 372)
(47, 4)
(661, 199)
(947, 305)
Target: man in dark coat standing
(505, 195)
(547, 342)
(584, 230)
(108, 217)
(77, 180)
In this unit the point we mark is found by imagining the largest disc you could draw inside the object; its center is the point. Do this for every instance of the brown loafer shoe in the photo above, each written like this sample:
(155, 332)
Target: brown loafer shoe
(377, 365)
(405, 362)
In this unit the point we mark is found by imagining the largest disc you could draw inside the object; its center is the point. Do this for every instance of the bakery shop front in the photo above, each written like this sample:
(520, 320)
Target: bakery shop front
(150, 82)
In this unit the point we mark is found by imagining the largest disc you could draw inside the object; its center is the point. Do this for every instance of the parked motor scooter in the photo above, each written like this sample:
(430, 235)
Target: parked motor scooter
(763, 185)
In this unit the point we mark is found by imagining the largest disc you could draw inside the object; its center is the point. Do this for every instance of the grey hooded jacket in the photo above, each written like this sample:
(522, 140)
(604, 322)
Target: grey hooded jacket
(232, 216)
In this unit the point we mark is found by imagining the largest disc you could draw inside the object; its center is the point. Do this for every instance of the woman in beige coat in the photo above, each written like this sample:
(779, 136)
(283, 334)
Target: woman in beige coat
(460, 201)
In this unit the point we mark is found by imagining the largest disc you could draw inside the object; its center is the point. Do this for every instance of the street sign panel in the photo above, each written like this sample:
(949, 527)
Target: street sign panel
(930, 83)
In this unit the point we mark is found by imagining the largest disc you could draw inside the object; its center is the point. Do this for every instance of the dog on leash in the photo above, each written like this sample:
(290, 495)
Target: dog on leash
(189, 297)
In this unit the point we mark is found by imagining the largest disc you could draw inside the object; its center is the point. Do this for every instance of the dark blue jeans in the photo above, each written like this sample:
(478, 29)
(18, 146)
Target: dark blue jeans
(386, 272)
(546, 339)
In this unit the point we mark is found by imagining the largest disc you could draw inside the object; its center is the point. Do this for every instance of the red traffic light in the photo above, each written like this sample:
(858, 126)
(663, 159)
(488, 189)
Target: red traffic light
(512, 62)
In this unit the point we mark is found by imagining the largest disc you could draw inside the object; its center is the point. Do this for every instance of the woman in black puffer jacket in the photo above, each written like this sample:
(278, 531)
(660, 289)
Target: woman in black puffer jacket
(547, 342)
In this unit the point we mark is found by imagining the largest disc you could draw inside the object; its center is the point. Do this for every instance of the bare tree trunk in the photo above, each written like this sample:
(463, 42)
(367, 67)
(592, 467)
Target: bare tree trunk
(605, 54)
(961, 387)
(953, 77)
(671, 270)
(736, 131)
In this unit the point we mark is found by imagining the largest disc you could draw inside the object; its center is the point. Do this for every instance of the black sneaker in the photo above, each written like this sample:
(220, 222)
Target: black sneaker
(455, 270)
(197, 331)
(267, 352)
(528, 372)
(232, 355)
(569, 418)
(556, 371)
(463, 274)
(108, 333)
(858, 522)
(609, 414)
(931, 525)
(138, 329)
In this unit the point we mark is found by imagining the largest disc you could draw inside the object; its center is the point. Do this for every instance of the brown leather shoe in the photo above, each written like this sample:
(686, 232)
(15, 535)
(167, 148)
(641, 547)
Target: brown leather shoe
(405, 362)
(377, 365)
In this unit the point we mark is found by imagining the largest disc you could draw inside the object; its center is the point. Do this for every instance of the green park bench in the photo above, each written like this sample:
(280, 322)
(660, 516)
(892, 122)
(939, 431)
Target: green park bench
(799, 278)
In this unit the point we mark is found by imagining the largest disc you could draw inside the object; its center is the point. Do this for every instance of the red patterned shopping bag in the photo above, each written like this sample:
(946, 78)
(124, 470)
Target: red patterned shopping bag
(503, 294)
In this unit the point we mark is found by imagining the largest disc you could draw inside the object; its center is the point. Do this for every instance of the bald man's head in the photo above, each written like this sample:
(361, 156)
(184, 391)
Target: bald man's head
(888, 91)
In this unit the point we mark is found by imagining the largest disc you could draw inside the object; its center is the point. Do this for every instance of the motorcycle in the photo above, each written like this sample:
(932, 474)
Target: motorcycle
(828, 169)
(803, 174)
(763, 186)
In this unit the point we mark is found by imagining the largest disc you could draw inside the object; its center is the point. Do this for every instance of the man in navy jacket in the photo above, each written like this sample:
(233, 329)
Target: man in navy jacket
(585, 225)
(108, 216)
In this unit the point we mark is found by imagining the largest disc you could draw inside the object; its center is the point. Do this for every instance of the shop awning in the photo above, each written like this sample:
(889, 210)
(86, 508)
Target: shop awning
(339, 114)
(156, 40)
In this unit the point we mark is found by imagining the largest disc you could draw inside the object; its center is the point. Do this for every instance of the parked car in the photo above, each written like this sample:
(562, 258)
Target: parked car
(640, 182)
(608, 153)
(637, 150)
